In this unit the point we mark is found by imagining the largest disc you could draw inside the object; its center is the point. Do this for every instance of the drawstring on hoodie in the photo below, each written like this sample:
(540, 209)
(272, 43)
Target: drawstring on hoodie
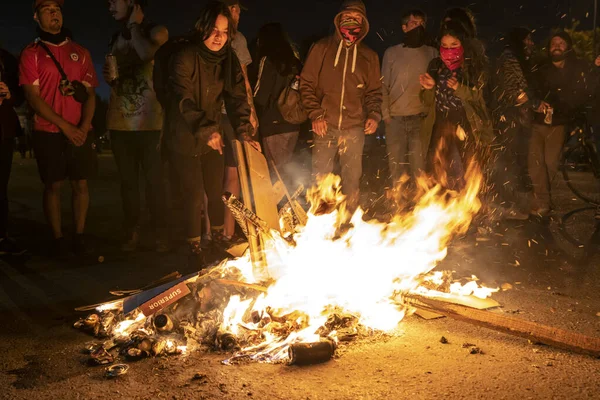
(339, 52)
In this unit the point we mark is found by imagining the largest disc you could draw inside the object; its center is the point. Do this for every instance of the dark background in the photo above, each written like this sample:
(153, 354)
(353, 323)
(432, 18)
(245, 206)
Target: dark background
(92, 24)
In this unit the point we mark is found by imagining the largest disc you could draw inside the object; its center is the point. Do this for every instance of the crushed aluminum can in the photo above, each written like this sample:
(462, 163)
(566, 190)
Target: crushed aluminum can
(88, 322)
(163, 323)
(226, 341)
(548, 117)
(159, 347)
(107, 324)
(311, 353)
(101, 357)
(113, 68)
(116, 370)
(135, 354)
(146, 345)
(91, 347)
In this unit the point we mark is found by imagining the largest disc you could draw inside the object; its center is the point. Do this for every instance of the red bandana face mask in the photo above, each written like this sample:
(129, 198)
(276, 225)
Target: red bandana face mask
(453, 58)
(350, 30)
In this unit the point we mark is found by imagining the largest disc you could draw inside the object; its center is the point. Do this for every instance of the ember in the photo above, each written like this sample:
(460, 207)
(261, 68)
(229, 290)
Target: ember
(336, 278)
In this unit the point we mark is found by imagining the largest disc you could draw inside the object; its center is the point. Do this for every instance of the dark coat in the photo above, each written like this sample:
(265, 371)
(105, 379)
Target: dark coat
(271, 84)
(473, 102)
(196, 91)
(9, 121)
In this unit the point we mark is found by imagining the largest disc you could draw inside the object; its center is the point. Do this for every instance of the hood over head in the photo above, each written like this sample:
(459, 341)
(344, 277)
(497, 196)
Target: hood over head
(352, 6)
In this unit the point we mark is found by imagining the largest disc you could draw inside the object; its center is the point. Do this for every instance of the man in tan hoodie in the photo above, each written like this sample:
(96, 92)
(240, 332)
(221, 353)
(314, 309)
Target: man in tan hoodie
(341, 92)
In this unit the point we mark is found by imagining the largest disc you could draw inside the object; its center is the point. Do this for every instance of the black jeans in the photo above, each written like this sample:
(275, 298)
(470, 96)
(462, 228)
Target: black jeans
(7, 147)
(195, 175)
(135, 151)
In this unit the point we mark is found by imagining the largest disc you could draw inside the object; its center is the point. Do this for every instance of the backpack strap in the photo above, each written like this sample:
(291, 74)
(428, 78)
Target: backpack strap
(58, 66)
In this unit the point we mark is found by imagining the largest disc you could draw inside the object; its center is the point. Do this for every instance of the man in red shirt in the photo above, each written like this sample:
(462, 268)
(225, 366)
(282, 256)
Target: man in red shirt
(60, 139)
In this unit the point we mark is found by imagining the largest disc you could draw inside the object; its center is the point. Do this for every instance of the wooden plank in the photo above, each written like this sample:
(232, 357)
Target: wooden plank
(468, 301)
(551, 336)
(265, 203)
(427, 315)
(256, 255)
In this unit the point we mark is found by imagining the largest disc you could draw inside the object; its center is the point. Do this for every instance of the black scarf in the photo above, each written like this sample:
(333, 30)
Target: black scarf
(416, 37)
(223, 57)
(53, 38)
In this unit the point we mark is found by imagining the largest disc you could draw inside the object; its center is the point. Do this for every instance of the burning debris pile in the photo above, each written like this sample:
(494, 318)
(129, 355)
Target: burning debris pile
(333, 279)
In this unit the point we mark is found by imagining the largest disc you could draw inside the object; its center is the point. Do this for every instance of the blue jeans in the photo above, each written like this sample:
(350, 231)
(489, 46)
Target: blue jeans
(348, 144)
(403, 142)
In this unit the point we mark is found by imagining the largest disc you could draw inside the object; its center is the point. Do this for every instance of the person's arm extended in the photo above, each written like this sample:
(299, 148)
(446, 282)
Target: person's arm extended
(146, 47)
(43, 109)
(87, 110)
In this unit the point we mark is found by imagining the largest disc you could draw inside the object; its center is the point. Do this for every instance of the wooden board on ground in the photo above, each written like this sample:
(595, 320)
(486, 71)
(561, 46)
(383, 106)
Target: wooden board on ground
(427, 315)
(468, 301)
(552, 336)
(265, 202)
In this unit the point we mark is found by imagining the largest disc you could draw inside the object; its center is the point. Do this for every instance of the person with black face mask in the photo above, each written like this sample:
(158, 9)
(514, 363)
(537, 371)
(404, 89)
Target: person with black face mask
(402, 109)
(58, 79)
(565, 84)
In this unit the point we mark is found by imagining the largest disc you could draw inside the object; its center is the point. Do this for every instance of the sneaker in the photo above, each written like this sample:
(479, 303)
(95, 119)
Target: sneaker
(132, 241)
(79, 246)
(515, 214)
(60, 249)
(9, 247)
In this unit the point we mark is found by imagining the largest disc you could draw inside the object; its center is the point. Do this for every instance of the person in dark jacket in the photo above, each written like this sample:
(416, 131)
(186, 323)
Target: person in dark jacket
(458, 128)
(341, 93)
(514, 100)
(565, 84)
(11, 96)
(201, 75)
(278, 68)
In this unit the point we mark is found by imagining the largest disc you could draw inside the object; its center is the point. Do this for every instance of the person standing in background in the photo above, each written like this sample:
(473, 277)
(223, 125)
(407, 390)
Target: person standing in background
(64, 109)
(278, 67)
(11, 95)
(402, 109)
(135, 119)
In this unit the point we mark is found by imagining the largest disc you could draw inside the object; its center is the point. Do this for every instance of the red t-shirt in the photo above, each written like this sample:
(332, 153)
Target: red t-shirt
(37, 68)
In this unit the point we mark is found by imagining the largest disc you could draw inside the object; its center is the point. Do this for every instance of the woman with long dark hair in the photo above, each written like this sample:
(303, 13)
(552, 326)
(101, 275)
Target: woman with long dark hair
(457, 128)
(278, 68)
(201, 75)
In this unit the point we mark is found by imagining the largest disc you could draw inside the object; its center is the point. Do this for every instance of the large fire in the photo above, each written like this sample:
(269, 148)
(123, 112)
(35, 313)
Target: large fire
(339, 265)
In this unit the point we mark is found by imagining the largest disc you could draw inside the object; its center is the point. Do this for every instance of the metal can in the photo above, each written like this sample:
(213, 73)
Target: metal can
(548, 118)
(113, 68)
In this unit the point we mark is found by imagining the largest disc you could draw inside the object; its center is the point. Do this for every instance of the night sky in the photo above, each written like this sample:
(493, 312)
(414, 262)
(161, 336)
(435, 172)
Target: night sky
(93, 26)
